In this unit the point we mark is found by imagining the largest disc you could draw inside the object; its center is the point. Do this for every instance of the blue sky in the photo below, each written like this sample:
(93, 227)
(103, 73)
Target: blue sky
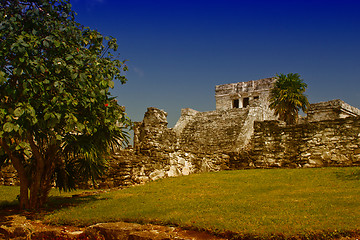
(179, 50)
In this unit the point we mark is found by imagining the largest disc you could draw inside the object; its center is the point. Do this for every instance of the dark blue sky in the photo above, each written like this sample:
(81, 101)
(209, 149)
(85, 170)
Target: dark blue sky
(179, 50)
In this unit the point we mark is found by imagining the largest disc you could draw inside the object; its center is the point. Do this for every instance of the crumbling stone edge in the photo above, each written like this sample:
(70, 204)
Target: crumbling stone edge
(20, 228)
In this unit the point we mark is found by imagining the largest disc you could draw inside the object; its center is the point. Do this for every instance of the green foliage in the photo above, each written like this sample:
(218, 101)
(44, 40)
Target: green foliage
(55, 77)
(287, 97)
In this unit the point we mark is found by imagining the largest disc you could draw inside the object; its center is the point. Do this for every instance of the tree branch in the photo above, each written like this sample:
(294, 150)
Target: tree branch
(102, 55)
(15, 160)
(35, 150)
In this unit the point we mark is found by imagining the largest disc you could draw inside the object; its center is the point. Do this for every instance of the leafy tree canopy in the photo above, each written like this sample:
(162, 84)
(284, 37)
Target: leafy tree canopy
(287, 97)
(56, 113)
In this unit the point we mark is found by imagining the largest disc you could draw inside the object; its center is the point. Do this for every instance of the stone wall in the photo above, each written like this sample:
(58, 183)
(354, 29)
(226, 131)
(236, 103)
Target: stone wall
(8, 176)
(219, 130)
(152, 134)
(314, 144)
(214, 141)
(129, 168)
(194, 145)
(333, 109)
(200, 141)
(211, 132)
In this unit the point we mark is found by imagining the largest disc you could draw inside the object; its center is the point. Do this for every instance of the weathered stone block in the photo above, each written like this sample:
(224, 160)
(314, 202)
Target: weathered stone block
(157, 174)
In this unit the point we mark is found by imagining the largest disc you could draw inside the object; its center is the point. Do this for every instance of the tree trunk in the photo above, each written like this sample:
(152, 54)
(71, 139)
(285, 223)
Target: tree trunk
(39, 191)
(24, 194)
(24, 181)
(42, 177)
(40, 181)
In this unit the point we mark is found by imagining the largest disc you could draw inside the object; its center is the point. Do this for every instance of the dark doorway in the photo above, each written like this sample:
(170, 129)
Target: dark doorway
(236, 103)
(245, 102)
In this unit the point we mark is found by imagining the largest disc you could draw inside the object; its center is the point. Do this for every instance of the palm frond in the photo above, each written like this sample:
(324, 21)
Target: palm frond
(287, 97)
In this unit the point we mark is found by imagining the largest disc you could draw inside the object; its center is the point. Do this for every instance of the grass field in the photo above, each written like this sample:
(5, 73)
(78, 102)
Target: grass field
(8, 196)
(280, 202)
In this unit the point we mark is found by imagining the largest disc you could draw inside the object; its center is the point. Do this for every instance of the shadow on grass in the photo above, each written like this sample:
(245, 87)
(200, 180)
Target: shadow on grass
(57, 202)
(349, 176)
(8, 204)
(8, 208)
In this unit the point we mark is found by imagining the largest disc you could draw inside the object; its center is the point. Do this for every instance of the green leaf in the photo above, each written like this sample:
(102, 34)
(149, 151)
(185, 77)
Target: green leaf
(27, 152)
(24, 145)
(21, 50)
(46, 44)
(2, 77)
(24, 44)
(42, 69)
(14, 45)
(58, 115)
(82, 76)
(69, 57)
(78, 62)
(47, 116)
(111, 84)
(19, 111)
(18, 71)
(8, 127)
(104, 83)
(74, 76)
(16, 127)
(80, 127)
(57, 43)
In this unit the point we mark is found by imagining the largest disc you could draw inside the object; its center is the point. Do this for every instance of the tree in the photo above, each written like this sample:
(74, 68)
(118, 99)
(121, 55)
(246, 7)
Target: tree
(58, 119)
(287, 97)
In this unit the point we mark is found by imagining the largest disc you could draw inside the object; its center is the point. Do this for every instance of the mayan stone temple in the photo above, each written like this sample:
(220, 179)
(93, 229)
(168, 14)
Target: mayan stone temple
(243, 94)
(242, 132)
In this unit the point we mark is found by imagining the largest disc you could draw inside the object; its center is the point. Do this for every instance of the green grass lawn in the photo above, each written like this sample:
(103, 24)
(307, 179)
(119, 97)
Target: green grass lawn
(282, 202)
(8, 196)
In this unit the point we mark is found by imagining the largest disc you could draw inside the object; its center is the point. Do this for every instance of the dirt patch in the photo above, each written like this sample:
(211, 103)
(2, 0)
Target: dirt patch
(15, 224)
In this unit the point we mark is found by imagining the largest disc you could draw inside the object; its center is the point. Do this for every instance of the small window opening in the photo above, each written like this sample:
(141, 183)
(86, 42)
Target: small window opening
(245, 102)
(236, 103)
(256, 97)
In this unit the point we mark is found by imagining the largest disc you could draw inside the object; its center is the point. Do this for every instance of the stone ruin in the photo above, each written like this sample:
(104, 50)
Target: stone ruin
(244, 94)
(230, 126)
(331, 110)
(241, 133)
